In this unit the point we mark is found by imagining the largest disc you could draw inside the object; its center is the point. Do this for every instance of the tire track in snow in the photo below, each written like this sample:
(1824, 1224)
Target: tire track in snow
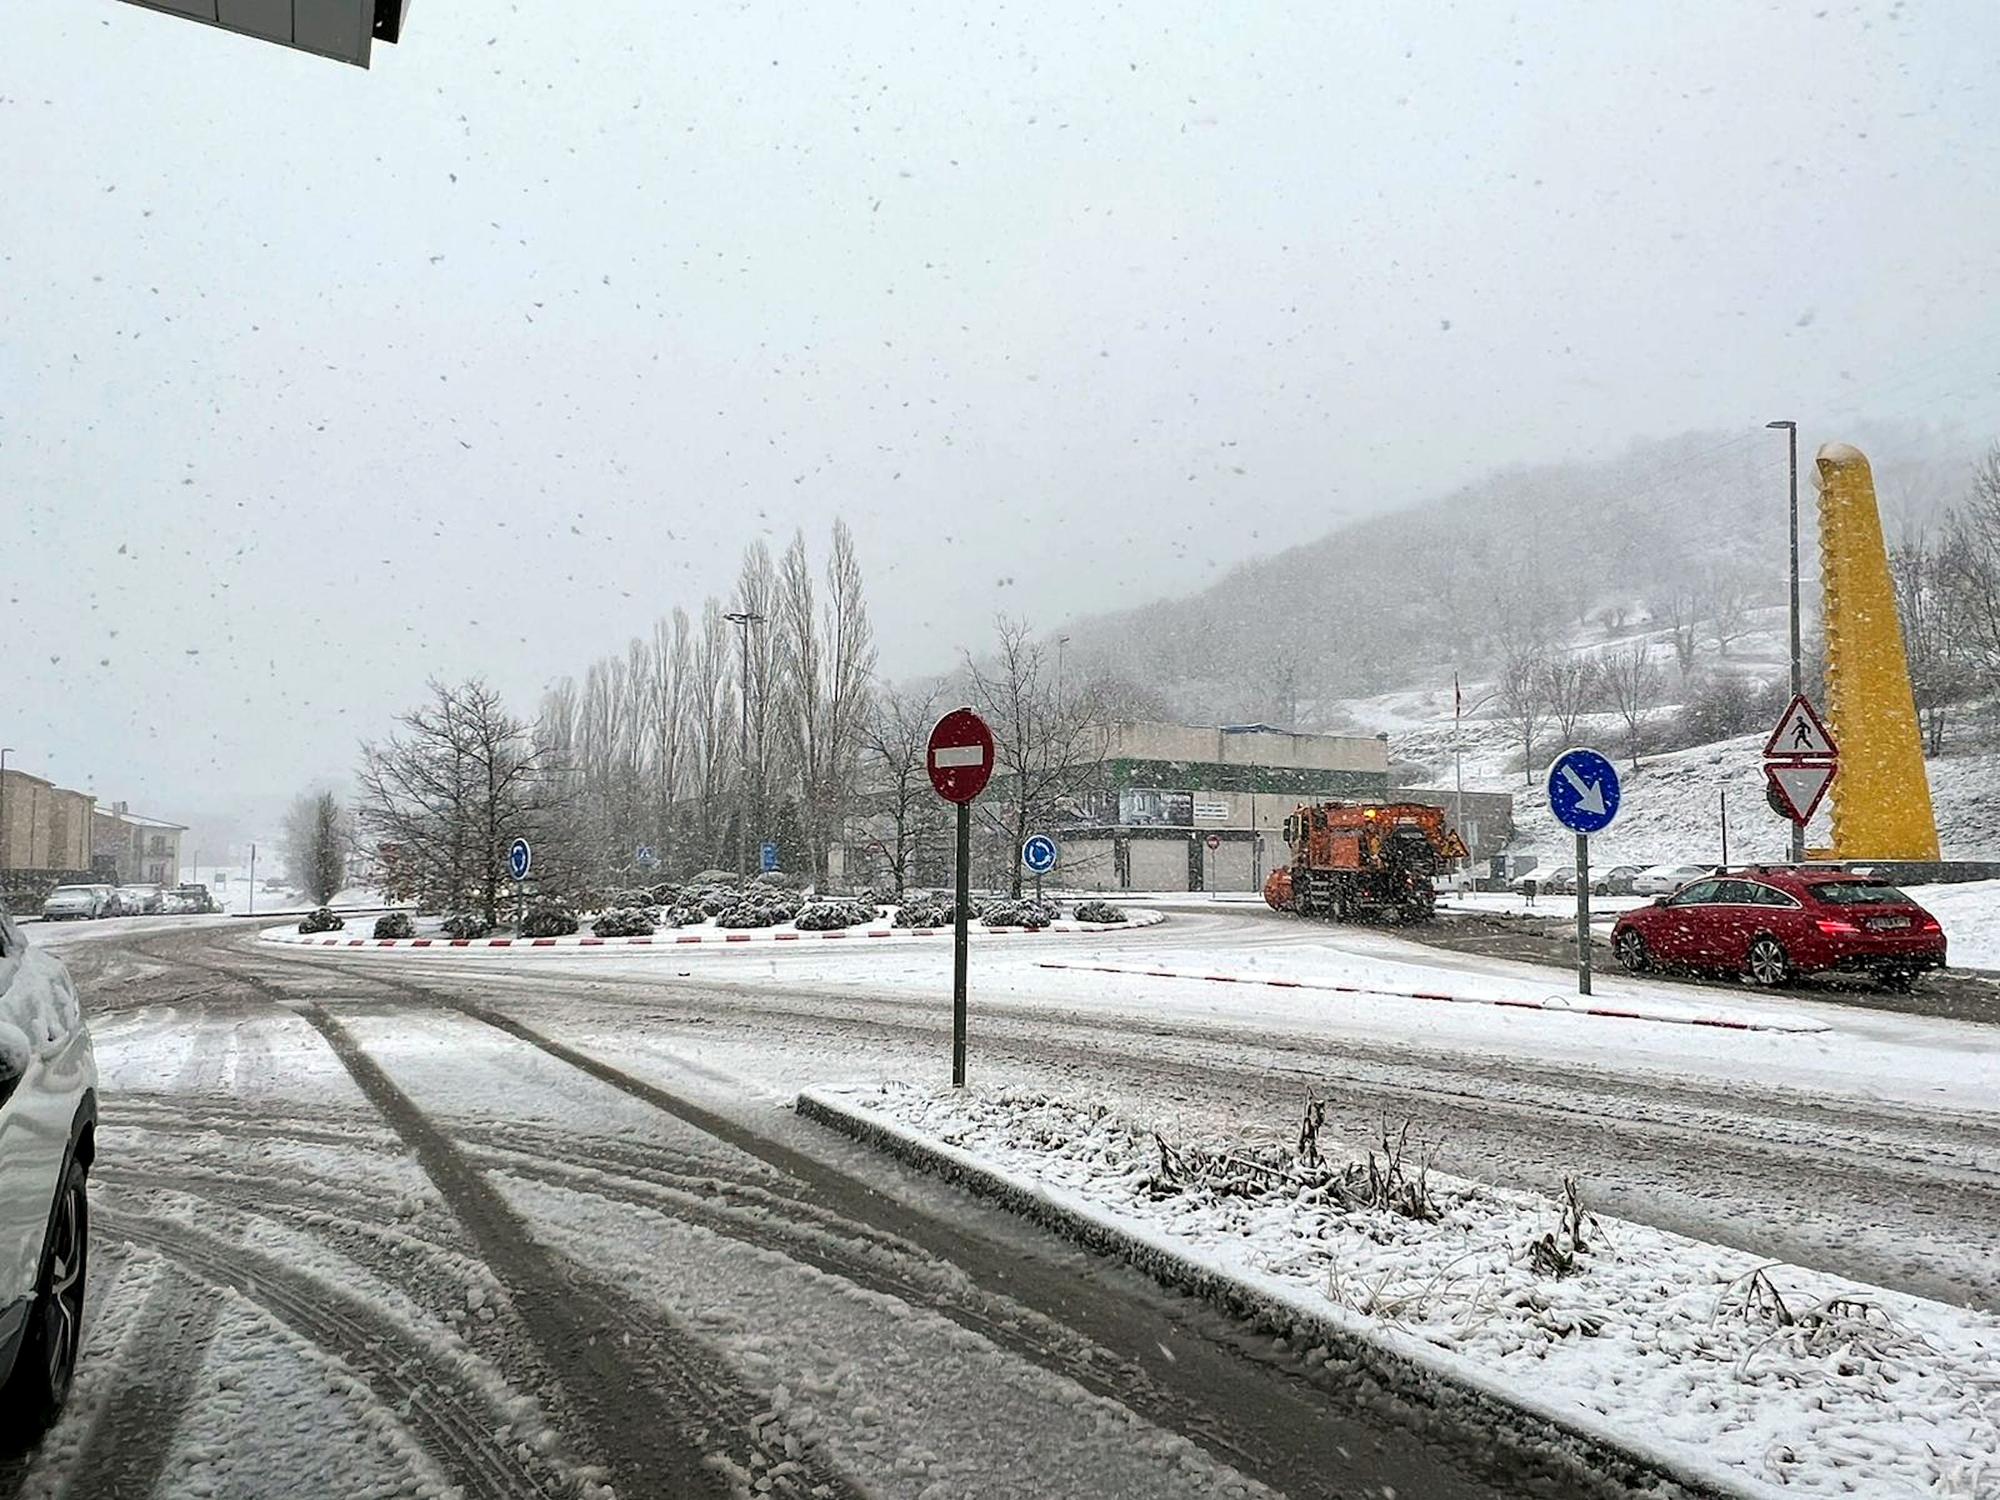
(456, 1427)
(1279, 1437)
(127, 1447)
(662, 1412)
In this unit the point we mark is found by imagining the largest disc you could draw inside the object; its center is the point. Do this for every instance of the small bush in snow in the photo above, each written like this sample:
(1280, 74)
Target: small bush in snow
(1099, 911)
(826, 916)
(715, 877)
(548, 921)
(765, 907)
(780, 880)
(1023, 913)
(467, 925)
(624, 921)
(323, 920)
(716, 899)
(920, 910)
(395, 924)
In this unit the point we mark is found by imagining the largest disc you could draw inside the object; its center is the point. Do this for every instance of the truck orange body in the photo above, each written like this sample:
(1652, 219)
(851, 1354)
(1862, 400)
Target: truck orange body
(1354, 860)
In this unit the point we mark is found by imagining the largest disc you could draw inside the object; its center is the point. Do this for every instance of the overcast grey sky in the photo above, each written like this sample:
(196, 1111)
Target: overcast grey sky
(316, 381)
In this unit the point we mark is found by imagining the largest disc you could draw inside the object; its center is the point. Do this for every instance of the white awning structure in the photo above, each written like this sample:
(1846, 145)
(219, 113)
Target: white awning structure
(342, 29)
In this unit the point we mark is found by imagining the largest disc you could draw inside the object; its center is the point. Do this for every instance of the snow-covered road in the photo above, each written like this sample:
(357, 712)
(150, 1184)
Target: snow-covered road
(424, 1222)
(363, 1236)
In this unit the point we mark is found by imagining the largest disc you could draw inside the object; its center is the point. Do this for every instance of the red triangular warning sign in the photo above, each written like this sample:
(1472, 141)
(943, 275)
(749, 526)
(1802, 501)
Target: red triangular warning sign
(1800, 734)
(1800, 785)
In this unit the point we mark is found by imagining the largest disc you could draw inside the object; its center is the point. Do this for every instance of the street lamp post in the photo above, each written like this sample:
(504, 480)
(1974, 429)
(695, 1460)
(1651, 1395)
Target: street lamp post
(1791, 431)
(743, 619)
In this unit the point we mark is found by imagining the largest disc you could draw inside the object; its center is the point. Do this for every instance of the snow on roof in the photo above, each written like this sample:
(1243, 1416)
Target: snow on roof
(139, 821)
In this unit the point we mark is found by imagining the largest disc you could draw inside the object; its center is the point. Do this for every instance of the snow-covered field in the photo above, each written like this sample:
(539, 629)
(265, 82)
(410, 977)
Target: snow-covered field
(1769, 1378)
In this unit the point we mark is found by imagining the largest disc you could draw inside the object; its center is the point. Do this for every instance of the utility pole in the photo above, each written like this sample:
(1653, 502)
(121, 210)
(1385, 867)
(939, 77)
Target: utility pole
(253, 880)
(743, 619)
(1791, 431)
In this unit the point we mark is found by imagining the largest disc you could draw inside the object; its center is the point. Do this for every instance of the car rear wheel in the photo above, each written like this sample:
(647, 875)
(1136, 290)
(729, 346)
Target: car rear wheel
(1767, 963)
(46, 1364)
(1900, 981)
(1632, 952)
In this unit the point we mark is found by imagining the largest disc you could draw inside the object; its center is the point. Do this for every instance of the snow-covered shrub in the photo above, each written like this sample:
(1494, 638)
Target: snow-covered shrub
(467, 925)
(624, 921)
(548, 920)
(395, 924)
(715, 877)
(1026, 912)
(781, 880)
(663, 895)
(760, 907)
(825, 916)
(1099, 911)
(326, 919)
(921, 910)
(716, 899)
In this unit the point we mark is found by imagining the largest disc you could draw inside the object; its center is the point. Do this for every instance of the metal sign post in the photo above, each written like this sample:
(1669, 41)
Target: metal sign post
(960, 760)
(1584, 796)
(520, 860)
(1208, 864)
(1800, 762)
(1038, 857)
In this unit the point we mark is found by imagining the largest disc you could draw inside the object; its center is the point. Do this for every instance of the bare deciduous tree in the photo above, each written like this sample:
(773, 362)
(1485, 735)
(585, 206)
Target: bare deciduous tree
(1046, 745)
(1941, 678)
(1523, 689)
(1569, 685)
(895, 739)
(1629, 679)
(446, 795)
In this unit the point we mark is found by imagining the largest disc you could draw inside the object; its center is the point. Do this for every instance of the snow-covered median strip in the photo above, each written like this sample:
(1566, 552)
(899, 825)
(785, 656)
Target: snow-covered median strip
(1633, 1010)
(1640, 1353)
(672, 937)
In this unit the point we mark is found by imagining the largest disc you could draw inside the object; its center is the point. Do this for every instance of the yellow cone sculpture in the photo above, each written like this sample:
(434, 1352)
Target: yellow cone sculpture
(1882, 798)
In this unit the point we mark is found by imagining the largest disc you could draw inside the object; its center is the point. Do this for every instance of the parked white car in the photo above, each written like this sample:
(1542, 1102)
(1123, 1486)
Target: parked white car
(75, 903)
(1664, 880)
(48, 1138)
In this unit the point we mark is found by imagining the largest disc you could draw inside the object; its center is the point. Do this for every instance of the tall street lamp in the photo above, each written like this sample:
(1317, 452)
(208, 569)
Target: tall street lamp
(1791, 431)
(743, 619)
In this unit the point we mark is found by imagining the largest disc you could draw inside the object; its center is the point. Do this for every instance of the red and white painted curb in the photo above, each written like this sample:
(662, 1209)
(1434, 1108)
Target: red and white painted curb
(672, 939)
(1553, 1006)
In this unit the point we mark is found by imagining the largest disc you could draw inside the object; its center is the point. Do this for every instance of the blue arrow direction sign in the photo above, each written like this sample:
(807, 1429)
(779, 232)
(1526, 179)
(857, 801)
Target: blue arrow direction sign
(1039, 854)
(1583, 791)
(520, 859)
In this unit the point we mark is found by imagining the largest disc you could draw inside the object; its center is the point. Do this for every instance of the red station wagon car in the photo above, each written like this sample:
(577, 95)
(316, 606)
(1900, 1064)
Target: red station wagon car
(1771, 923)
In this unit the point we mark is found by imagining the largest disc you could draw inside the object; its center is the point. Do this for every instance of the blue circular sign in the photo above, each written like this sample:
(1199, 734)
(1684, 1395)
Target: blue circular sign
(1583, 791)
(1038, 855)
(520, 859)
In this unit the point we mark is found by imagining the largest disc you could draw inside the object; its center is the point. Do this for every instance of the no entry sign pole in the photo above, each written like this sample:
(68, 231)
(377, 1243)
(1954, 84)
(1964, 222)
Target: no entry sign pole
(960, 761)
(959, 944)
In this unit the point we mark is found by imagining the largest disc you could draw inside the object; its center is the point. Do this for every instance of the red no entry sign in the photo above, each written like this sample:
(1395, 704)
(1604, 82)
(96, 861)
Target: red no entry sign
(960, 758)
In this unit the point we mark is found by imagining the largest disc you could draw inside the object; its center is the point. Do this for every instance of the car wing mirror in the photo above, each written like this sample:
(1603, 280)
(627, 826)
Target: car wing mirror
(1659, 901)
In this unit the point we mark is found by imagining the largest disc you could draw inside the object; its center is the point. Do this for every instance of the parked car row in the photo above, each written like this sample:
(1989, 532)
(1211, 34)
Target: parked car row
(1618, 880)
(85, 903)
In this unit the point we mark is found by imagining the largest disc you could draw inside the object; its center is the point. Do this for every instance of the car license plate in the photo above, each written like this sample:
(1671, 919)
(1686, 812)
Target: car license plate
(1889, 924)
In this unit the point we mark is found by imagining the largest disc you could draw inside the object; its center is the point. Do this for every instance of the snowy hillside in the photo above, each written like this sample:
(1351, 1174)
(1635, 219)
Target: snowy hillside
(1673, 806)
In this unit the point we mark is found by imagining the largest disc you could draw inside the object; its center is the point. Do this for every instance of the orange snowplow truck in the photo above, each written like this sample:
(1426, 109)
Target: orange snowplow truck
(1354, 860)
